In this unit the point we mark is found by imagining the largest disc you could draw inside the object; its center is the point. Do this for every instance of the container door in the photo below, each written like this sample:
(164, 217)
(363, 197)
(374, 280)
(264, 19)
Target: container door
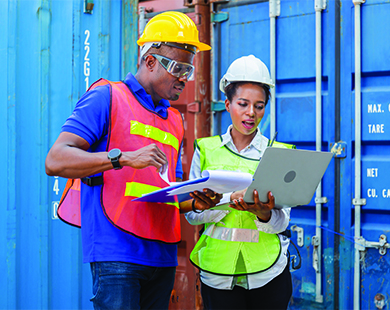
(370, 282)
(355, 189)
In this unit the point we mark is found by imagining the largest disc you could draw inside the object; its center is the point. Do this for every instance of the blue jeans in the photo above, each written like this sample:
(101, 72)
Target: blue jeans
(118, 285)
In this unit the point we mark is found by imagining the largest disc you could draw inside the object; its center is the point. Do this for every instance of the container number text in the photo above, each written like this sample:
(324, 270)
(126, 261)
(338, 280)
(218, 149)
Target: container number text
(86, 59)
(54, 209)
(56, 188)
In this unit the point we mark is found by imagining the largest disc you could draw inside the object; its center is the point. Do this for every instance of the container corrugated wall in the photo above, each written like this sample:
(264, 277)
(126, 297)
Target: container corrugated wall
(326, 279)
(50, 52)
(374, 128)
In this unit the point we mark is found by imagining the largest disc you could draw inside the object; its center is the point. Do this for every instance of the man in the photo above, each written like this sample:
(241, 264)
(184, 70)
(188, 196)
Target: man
(120, 135)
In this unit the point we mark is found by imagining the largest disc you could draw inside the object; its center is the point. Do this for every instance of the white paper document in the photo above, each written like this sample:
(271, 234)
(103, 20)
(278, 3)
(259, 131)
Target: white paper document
(217, 180)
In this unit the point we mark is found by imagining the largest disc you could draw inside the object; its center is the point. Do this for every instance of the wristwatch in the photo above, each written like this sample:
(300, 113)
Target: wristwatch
(114, 156)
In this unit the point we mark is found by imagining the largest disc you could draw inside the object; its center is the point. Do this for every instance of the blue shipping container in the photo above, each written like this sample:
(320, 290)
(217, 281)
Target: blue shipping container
(310, 47)
(50, 52)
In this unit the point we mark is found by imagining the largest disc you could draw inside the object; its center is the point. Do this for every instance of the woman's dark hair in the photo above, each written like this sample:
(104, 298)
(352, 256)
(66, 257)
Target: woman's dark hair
(231, 89)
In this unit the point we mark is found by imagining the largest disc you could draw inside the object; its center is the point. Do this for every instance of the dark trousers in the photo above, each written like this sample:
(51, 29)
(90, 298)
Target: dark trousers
(274, 295)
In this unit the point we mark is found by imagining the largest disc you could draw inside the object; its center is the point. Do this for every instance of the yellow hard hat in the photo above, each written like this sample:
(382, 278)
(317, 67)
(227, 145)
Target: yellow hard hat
(172, 27)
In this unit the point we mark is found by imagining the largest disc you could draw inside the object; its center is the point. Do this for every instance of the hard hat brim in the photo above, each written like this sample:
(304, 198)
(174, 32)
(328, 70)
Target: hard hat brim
(200, 46)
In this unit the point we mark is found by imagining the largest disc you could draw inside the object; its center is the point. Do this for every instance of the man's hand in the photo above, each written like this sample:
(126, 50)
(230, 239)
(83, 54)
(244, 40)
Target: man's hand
(149, 155)
(206, 199)
(260, 209)
(69, 158)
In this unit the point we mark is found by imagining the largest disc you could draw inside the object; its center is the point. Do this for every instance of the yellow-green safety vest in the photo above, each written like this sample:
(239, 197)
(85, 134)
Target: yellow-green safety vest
(233, 246)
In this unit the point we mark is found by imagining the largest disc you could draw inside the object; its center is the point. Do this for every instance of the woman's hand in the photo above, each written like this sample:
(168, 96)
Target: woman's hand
(260, 209)
(206, 199)
(236, 195)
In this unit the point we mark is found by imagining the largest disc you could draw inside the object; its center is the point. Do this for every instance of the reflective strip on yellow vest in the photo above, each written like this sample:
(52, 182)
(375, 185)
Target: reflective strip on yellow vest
(236, 246)
(232, 234)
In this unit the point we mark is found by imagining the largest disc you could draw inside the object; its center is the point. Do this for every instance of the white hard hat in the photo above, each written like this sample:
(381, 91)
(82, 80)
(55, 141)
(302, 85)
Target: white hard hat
(246, 69)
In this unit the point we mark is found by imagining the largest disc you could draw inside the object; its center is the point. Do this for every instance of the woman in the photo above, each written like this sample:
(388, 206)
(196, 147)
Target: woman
(241, 255)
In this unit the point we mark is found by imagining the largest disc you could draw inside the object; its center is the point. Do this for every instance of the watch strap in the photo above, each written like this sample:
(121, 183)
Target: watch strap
(115, 163)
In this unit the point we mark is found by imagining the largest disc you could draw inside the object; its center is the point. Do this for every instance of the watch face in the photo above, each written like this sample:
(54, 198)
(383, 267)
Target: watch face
(114, 153)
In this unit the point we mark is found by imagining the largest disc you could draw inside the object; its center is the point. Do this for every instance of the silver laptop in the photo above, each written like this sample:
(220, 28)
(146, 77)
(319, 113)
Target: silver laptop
(291, 175)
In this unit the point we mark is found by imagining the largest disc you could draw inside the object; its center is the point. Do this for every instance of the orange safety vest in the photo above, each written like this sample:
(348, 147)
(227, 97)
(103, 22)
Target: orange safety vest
(132, 127)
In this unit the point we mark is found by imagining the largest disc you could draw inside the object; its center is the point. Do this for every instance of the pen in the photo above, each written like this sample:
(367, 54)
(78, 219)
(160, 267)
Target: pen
(273, 139)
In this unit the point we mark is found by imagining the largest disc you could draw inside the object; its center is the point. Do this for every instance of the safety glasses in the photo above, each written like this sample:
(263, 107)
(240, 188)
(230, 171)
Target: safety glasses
(176, 68)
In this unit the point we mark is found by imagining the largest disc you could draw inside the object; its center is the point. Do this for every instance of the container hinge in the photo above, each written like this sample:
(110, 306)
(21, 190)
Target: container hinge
(218, 105)
(359, 202)
(360, 244)
(193, 107)
(300, 234)
(339, 149)
(88, 6)
(321, 200)
(219, 17)
(382, 245)
(274, 8)
(319, 5)
(315, 241)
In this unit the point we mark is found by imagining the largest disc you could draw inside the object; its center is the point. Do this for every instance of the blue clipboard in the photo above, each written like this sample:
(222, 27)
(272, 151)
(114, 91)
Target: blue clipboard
(163, 194)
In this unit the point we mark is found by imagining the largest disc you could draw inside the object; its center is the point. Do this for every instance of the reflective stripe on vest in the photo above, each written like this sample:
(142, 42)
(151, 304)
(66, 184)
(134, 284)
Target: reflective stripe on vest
(248, 250)
(232, 234)
(135, 189)
(131, 133)
(148, 131)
